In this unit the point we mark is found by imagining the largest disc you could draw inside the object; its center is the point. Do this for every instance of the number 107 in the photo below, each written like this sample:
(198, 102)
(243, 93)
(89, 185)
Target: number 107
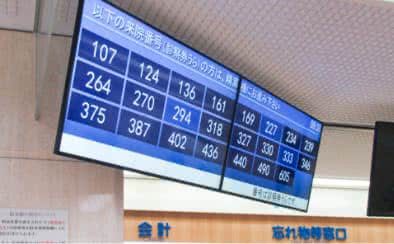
(103, 52)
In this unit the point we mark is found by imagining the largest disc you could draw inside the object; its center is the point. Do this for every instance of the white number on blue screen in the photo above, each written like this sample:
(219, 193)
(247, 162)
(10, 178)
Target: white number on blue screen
(93, 112)
(97, 84)
(187, 90)
(284, 176)
(218, 104)
(305, 164)
(138, 127)
(271, 128)
(264, 169)
(103, 52)
(267, 149)
(288, 157)
(215, 127)
(182, 115)
(309, 146)
(178, 140)
(210, 151)
(291, 138)
(240, 161)
(144, 100)
(244, 139)
(314, 126)
(148, 73)
(248, 117)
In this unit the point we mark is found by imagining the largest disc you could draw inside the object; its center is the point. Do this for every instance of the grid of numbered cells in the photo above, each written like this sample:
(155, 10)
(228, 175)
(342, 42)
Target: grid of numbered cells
(143, 100)
(265, 148)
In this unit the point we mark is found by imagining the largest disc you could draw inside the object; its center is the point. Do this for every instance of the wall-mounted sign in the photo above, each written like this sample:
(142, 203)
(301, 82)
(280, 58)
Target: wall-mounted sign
(145, 230)
(33, 226)
(139, 100)
(317, 233)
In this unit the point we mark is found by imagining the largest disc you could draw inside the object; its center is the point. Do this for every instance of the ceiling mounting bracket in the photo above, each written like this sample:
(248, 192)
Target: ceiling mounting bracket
(349, 126)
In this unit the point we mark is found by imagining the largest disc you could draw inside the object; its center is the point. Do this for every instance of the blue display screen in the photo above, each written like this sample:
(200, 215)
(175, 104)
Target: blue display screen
(138, 99)
(273, 149)
(141, 100)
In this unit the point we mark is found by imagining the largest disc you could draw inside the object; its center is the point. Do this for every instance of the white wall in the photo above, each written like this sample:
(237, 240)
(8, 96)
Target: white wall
(31, 176)
(340, 186)
(345, 154)
(327, 199)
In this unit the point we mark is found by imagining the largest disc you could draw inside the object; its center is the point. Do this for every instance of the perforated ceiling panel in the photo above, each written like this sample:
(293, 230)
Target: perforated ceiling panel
(57, 16)
(17, 14)
(333, 59)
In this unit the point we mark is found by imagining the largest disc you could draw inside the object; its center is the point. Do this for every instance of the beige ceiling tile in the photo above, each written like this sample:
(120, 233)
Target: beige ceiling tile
(332, 58)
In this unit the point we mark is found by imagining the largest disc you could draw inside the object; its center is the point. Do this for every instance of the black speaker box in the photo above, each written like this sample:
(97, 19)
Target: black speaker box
(381, 188)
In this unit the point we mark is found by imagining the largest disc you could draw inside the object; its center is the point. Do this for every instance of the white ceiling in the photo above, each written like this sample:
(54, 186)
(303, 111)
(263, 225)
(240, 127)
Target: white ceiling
(333, 59)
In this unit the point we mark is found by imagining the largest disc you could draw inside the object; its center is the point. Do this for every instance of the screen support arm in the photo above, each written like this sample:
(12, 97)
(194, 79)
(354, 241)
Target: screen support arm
(46, 11)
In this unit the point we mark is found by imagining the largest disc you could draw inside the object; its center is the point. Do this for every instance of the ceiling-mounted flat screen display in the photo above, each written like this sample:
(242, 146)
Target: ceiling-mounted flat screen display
(273, 150)
(137, 99)
(140, 100)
